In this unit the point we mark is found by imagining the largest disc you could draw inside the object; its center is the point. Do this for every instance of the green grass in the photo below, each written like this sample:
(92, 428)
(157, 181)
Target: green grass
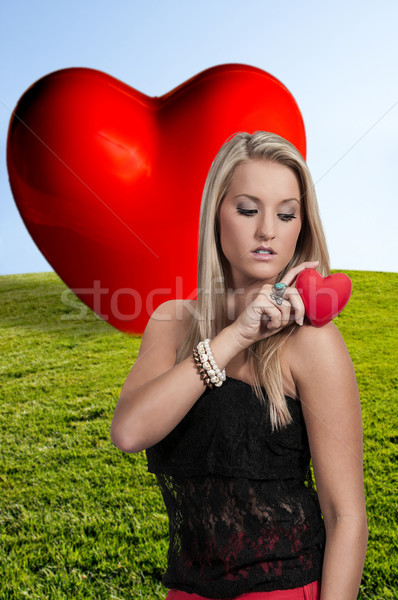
(80, 519)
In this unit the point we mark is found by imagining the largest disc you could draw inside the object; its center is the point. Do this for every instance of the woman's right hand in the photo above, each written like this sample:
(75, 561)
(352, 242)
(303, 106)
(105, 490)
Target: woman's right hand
(264, 317)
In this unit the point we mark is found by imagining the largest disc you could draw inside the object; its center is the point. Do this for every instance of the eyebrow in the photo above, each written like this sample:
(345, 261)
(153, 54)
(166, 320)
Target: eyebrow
(258, 201)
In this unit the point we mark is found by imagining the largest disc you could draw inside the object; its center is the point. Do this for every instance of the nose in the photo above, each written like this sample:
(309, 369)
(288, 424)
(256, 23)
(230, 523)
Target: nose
(267, 227)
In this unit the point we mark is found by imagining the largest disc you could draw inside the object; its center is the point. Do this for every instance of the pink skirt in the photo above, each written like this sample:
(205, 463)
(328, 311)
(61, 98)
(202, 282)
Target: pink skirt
(312, 591)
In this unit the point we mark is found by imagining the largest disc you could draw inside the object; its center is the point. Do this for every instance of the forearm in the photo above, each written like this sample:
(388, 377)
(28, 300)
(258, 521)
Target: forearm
(147, 414)
(346, 541)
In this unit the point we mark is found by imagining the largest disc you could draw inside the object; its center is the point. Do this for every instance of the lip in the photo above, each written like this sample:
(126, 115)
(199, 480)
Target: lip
(263, 257)
(264, 248)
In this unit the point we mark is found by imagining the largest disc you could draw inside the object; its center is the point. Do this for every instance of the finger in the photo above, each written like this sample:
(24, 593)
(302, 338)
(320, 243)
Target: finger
(274, 314)
(286, 310)
(297, 304)
(284, 306)
(266, 308)
(292, 273)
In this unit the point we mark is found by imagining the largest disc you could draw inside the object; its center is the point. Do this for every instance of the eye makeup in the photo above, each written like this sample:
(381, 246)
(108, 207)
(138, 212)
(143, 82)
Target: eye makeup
(286, 217)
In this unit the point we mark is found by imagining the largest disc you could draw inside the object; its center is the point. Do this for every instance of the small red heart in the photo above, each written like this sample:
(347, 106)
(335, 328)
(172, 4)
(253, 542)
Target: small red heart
(323, 297)
(109, 181)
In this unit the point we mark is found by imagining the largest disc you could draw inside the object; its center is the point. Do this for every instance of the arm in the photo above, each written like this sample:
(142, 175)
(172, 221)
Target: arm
(157, 394)
(325, 378)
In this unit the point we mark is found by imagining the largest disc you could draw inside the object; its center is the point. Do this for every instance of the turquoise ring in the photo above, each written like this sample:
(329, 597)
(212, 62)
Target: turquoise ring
(278, 290)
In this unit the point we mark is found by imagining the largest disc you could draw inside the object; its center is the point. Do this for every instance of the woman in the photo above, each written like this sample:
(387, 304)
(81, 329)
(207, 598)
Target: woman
(229, 426)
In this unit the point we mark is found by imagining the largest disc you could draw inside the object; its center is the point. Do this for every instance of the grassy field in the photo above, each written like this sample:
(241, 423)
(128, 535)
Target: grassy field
(80, 519)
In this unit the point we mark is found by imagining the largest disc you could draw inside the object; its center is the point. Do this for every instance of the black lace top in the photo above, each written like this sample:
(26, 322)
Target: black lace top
(243, 513)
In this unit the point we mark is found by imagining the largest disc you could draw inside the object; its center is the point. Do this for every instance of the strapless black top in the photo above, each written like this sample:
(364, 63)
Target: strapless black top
(243, 512)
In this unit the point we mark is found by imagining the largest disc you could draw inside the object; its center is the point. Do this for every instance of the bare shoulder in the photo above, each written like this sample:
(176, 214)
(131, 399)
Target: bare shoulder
(317, 349)
(164, 333)
(313, 342)
(174, 308)
(176, 314)
(318, 355)
(310, 334)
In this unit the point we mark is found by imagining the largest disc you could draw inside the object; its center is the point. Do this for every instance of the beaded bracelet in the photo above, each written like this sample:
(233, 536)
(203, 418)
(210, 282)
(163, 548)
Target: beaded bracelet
(202, 371)
(207, 366)
(219, 374)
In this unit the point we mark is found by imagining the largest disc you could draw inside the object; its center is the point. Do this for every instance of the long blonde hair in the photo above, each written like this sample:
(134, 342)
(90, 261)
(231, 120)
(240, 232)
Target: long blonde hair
(213, 269)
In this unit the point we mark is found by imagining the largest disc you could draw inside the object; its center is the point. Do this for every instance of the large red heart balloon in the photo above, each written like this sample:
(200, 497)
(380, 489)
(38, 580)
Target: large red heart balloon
(108, 181)
(323, 297)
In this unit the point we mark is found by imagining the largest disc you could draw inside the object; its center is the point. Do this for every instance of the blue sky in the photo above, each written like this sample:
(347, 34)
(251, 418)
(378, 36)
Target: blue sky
(339, 61)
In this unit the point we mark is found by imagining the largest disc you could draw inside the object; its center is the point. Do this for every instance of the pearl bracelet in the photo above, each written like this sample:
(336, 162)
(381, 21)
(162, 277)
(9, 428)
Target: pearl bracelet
(220, 374)
(212, 373)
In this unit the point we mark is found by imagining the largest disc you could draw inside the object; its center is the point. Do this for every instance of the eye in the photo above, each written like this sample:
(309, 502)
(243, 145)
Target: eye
(247, 212)
(286, 216)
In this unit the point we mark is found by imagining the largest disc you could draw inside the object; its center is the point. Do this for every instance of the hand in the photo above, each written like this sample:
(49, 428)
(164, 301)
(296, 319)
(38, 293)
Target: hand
(264, 316)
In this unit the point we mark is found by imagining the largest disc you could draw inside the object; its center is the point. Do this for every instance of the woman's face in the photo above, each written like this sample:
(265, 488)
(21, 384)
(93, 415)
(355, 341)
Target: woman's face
(262, 208)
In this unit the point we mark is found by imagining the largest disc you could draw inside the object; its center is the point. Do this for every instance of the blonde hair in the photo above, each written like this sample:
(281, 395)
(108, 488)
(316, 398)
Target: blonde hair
(213, 268)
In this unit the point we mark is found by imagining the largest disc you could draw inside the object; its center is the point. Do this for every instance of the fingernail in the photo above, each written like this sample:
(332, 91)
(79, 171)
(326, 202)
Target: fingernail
(301, 321)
